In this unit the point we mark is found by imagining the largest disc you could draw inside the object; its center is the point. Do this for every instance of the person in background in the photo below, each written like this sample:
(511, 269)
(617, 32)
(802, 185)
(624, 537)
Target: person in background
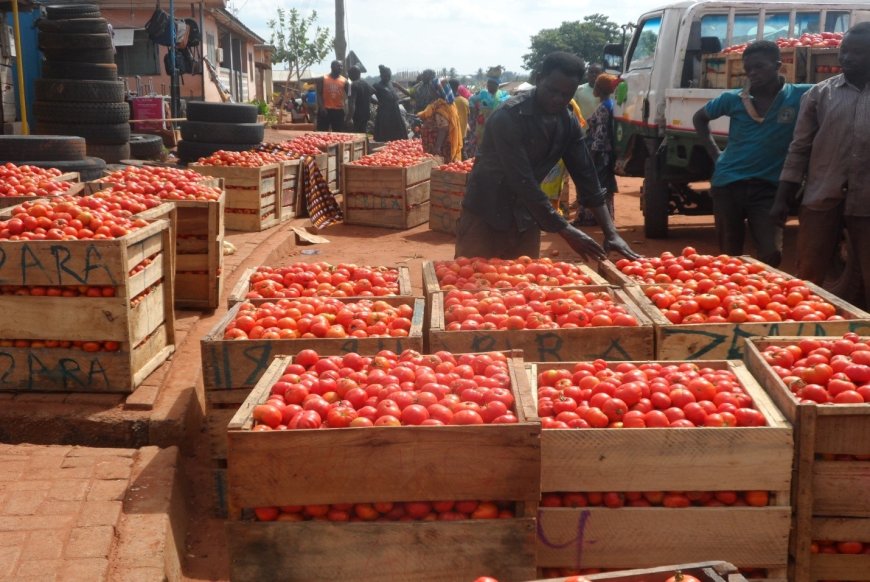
(585, 94)
(482, 105)
(389, 123)
(441, 134)
(310, 93)
(423, 92)
(504, 209)
(462, 108)
(831, 152)
(600, 137)
(762, 121)
(359, 109)
(332, 99)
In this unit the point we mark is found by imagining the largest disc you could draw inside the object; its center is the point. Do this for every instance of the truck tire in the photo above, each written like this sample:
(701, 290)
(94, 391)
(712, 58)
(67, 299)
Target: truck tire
(78, 26)
(41, 147)
(97, 113)
(82, 71)
(111, 154)
(97, 133)
(72, 11)
(191, 151)
(656, 201)
(68, 90)
(88, 168)
(74, 41)
(92, 56)
(207, 131)
(221, 112)
(144, 146)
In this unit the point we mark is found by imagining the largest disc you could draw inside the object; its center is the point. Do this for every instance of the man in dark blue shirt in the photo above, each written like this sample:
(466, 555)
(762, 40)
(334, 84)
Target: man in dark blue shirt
(504, 209)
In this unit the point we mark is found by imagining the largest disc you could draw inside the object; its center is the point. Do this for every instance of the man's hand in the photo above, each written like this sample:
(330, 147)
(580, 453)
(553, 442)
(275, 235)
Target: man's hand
(779, 212)
(615, 243)
(786, 194)
(582, 244)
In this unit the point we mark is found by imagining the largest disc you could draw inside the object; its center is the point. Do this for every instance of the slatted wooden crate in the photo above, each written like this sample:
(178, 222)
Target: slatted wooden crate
(447, 191)
(691, 341)
(386, 197)
(667, 459)
(822, 64)
(499, 462)
(829, 504)
(237, 295)
(199, 253)
(359, 146)
(550, 345)
(703, 571)
(290, 182)
(75, 189)
(614, 276)
(252, 195)
(334, 158)
(144, 328)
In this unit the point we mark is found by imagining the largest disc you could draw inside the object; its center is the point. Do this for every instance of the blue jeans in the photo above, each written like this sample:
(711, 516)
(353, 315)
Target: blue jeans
(749, 201)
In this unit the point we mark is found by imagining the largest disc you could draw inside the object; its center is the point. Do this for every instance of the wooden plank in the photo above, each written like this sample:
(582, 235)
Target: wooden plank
(835, 484)
(80, 318)
(599, 537)
(841, 529)
(148, 315)
(402, 551)
(840, 567)
(716, 571)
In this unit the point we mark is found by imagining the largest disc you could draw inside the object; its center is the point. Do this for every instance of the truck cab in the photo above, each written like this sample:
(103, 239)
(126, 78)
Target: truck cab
(674, 64)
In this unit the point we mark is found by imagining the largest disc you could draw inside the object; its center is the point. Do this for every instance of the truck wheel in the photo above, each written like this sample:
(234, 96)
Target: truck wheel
(146, 147)
(656, 202)
(844, 277)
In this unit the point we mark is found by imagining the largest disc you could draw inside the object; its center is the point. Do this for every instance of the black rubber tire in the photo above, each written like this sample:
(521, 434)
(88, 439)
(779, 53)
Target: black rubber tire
(656, 201)
(71, 90)
(144, 146)
(190, 151)
(78, 26)
(93, 133)
(112, 154)
(74, 41)
(89, 168)
(72, 11)
(210, 132)
(95, 56)
(80, 71)
(100, 113)
(41, 147)
(221, 112)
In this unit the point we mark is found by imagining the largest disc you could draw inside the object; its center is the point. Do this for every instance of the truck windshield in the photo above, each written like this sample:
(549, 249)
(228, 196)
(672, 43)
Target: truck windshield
(644, 50)
(775, 25)
(806, 22)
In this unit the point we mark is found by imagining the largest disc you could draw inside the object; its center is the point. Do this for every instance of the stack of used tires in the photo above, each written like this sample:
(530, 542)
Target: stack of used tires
(80, 93)
(64, 152)
(218, 126)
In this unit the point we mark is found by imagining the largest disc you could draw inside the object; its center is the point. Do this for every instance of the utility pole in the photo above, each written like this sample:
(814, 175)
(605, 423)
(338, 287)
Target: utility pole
(340, 38)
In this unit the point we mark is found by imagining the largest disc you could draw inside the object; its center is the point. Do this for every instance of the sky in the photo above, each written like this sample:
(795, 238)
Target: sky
(418, 34)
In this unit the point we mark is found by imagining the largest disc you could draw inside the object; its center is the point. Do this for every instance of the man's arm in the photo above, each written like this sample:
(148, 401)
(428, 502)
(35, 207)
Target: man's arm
(701, 121)
(351, 104)
(318, 85)
(798, 159)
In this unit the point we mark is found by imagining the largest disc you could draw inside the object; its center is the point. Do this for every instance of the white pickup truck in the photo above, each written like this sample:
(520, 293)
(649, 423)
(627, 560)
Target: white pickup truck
(673, 65)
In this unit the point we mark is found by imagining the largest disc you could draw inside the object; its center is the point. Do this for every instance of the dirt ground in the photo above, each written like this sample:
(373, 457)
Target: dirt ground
(206, 557)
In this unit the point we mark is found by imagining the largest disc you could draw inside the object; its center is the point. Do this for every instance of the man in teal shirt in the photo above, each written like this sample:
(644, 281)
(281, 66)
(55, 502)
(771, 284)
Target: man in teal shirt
(762, 121)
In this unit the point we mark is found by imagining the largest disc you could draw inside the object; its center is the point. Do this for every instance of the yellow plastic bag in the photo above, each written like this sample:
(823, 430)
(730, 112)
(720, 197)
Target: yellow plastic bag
(552, 183)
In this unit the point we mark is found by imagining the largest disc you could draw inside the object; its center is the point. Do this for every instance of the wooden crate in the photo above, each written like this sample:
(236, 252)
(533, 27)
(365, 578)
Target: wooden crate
(290, 181)
(252, 195)
(666, 459)
(445, 200)
(334, 153)
(614, 276)
(550, 345)
(199, 253)
(237, 295)
(727, 340)
(386, 197)
(828, 505)
(704, 571)
(713, 71)
(359, 146)
(76, 188)
(822, 64)
(145, 331)
(238, 364)
(503, 464)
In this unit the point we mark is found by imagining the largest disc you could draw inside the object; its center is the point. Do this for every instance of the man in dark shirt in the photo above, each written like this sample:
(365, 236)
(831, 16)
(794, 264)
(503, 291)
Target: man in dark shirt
(504, 209)
(359, 110)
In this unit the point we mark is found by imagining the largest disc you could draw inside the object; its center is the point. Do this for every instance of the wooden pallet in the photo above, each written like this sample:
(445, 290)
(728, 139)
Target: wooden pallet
(238, 364)
(550, 345)
(252, 195)
(500, 462)
(237, 294)
(447, 191)
(703, 571)
(290, 174)
(145, 331)
(652, 459)
(827, 498)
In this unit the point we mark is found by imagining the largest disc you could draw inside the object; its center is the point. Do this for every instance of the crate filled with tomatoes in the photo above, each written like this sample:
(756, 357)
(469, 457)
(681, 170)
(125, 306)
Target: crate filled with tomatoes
(660, 461)
(389, 188)
(321, 279)
(549, 324)
(447, 191)
(710, 571)
(252, 182)
(822, 385)
(199, 224)
(25, 183)
(435, 457)
(705, 306)
(86, 294)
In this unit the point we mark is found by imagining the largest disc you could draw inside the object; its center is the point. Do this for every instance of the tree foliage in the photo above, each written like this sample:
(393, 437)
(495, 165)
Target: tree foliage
(584, 38)
(296, 40)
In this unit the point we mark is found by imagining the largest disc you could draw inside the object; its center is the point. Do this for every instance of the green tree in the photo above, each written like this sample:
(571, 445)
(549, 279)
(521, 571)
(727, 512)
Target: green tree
(297, 42)
(584, 38)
